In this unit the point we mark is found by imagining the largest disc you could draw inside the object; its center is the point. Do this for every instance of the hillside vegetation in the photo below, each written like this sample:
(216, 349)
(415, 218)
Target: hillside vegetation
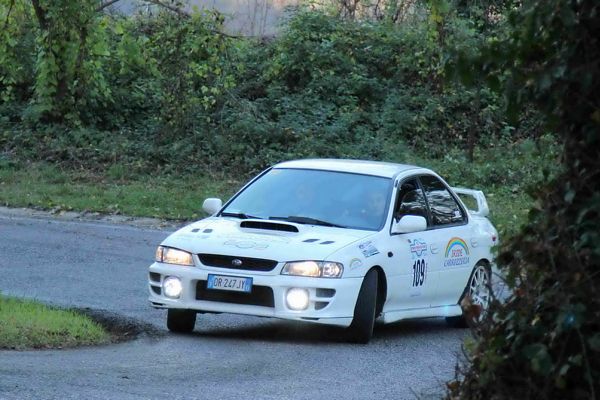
(168, 93)
(103, 99)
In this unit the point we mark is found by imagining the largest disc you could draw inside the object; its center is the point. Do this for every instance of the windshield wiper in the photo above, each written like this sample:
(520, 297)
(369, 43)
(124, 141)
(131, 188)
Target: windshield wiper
(307, 220)
(239, 215)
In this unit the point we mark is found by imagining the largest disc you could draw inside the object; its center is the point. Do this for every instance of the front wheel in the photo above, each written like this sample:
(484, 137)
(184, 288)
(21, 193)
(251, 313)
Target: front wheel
(181, 321)
(361, 328)
(476, 298)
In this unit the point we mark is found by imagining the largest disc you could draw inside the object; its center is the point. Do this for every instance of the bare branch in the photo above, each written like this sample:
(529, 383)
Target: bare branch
(184, 14)
(176, 10)
(232, 36)
(107, 4)
(12, 4)
(179, 11)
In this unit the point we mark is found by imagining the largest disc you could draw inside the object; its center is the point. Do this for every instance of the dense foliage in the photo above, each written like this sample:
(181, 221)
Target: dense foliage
(167, 91)
(544, 342)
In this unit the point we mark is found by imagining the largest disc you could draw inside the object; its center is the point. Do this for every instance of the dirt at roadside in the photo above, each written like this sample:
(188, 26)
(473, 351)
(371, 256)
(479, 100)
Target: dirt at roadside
(120, 328)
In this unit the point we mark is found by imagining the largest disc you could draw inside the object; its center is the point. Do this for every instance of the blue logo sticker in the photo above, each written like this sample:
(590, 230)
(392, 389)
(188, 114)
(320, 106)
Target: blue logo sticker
(367, 249)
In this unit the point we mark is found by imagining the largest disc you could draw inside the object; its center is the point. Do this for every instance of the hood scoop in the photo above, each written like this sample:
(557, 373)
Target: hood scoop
(271, 226)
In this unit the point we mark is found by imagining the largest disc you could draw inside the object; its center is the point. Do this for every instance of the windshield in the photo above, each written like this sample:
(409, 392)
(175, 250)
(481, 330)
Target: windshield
(315, 197)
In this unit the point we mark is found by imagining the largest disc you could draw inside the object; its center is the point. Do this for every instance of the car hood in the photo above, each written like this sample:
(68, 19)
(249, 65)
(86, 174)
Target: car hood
(275, 240)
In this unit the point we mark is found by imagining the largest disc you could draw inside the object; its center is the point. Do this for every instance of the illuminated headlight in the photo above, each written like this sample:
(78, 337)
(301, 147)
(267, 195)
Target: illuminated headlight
(170, 255)
(297, 299)
(318, 269)
(172, 287)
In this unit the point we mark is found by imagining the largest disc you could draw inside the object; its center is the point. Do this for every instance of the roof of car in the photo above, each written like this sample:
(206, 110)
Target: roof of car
(376, 168)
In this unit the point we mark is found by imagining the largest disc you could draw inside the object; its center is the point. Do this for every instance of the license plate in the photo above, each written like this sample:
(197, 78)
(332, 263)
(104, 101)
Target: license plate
(233, 283)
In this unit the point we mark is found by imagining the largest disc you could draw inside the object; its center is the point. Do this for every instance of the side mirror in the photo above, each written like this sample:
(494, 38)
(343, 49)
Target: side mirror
(409, 223)
(211, 205)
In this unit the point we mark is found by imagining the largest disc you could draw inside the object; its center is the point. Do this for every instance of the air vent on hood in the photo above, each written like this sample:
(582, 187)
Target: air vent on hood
(273, 226)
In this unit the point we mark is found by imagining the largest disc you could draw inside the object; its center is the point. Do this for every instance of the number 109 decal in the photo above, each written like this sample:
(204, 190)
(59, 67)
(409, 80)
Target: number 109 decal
(419, 273)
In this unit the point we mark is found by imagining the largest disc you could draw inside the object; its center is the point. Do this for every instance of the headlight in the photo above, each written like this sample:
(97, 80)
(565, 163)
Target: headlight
(322, 269)
(173, 256)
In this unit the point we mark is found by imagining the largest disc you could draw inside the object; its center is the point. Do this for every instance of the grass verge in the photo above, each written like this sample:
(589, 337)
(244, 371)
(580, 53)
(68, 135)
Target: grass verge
(25, 324)
(45, 186)
(48, 187)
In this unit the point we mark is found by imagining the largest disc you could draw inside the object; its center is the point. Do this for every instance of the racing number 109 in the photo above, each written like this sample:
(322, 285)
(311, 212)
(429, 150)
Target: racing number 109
(419, 271)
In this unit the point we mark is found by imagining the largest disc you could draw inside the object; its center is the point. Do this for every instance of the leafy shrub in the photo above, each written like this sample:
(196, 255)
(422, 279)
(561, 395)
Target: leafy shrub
(179, 95)
(543, 342)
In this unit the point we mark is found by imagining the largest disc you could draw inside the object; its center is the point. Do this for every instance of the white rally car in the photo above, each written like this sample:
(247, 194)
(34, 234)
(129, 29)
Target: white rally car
(338, 242)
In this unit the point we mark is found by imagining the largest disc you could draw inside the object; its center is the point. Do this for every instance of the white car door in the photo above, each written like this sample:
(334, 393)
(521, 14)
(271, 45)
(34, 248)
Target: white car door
(413, 281)
(451, 236)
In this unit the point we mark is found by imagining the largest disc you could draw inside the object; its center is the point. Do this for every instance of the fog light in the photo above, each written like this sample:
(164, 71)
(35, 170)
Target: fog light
(297, 299)
(172, 287)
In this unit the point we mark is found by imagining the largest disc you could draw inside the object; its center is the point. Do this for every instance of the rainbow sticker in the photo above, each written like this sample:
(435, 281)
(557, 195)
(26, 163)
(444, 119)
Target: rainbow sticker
(457, 253)
(456, 241)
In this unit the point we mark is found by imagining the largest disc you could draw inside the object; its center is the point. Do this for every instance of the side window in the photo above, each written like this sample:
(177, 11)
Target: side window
(444, 209)
(410, 200)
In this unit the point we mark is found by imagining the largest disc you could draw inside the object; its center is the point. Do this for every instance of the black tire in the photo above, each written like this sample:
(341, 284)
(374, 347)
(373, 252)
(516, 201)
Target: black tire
(181, 321)
(460, 321)
(361, 328)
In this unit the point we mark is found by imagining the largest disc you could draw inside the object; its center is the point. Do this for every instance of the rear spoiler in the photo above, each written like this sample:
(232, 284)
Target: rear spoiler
(482, 206)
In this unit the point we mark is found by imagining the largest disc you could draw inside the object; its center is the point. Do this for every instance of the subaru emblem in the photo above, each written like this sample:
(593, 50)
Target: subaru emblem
(236, 262)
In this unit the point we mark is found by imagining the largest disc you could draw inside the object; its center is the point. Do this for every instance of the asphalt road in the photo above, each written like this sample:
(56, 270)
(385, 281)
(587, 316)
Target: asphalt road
(104, 266)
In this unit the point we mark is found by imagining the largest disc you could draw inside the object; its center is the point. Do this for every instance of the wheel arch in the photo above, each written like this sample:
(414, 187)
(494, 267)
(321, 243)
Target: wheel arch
(484, 261)
(381, 289)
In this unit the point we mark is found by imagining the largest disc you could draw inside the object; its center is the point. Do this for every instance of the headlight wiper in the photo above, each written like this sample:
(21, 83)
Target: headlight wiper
(239, 215)
(307, 220)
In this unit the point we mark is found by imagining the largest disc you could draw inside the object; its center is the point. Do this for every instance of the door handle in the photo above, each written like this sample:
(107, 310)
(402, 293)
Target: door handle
(434, 249)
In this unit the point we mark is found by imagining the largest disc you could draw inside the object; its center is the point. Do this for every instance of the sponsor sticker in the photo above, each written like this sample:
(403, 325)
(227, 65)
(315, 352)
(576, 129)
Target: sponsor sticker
(418, 248)
(355, 263)
(367, 249)
(457, 253)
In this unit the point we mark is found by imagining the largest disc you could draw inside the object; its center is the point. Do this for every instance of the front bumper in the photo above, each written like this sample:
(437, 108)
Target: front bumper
(331, 301)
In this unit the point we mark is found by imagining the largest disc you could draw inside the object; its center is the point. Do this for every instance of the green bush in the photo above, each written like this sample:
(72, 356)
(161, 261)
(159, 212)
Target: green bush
(179, 95)
(543, 340)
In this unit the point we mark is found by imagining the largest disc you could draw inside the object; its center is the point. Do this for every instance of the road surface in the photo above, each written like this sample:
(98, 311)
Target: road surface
(104, 266)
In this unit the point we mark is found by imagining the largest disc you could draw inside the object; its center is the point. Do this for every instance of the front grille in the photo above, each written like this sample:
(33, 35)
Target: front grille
(260, 295)
(249, 264)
